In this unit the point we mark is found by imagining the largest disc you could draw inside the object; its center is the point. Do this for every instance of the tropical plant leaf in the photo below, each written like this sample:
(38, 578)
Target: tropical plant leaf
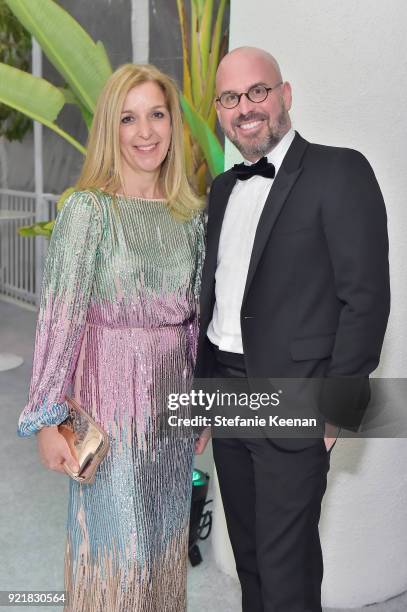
(212, 115)
(38, 229)
(26, 231)
(15, 50)
(66, 44)
(104, 59)
(189, 161)
(201, 175)
(208, 96)
(187, 87)
(30, 95)
(200, 6)
(205, 35)
(206, 139)
(34, 97)
(70, 98)
(196, 74)
(68, 94)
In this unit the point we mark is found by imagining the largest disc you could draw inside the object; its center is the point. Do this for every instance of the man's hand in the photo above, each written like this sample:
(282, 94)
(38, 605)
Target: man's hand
(202, 441)
(331, 434)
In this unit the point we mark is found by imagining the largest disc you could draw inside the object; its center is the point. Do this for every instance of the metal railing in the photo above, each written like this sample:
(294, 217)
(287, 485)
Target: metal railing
(18, 269)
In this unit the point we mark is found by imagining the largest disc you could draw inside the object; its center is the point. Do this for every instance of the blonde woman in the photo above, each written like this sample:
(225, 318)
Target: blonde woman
(118, 320)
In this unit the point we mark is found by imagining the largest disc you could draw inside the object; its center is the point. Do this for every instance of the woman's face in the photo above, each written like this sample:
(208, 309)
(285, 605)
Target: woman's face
(145, 128)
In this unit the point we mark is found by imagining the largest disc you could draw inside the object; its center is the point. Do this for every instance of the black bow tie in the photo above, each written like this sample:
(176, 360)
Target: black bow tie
(261, 167)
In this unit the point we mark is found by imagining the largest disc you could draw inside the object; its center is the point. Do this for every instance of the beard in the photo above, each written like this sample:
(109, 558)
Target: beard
(260, 147)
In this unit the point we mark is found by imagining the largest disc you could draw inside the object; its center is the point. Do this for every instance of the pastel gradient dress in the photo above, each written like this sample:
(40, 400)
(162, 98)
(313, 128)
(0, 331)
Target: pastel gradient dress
(117, 328)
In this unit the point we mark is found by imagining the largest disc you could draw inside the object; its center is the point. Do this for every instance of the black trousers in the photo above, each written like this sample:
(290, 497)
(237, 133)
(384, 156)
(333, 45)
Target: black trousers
(272, 501)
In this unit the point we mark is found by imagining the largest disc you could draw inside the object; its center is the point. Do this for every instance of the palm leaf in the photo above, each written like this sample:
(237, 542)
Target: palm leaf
(188, 154)
(70, 98)
(196, 74)
(66, 44)
(206, 139)
(201, 174)
(49, 225)
(30, 95)
(187, 87)
(34, 97)
(200, 7)
(205, 35)
(43, 228)
(213, 61)
(102, 56)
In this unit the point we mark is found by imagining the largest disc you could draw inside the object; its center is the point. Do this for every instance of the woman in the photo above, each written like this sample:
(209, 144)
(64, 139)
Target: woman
(118, 318)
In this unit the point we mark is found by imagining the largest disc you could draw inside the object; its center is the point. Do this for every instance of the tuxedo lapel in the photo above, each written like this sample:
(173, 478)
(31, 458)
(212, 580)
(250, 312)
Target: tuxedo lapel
(217, 206)
(281, 187)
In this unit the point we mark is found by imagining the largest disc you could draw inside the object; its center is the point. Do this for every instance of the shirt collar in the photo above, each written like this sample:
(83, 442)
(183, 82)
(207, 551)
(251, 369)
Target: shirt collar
(276, 155)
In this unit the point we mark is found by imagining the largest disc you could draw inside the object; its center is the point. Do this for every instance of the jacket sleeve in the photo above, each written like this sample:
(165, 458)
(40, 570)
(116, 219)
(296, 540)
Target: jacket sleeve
(66, 289)
(355, 226)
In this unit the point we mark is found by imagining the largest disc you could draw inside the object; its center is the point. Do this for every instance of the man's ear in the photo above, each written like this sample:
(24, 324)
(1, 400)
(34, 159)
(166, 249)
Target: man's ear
(287, 95)
(217, 107)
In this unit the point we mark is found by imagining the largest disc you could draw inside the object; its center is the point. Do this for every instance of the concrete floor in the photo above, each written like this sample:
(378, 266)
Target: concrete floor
(33, 512)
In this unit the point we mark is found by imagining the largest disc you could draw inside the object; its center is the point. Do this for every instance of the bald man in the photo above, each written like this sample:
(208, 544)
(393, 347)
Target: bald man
(295, 285)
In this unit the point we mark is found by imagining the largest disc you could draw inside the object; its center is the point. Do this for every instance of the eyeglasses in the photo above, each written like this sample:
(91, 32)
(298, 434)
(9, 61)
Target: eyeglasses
(257, 93)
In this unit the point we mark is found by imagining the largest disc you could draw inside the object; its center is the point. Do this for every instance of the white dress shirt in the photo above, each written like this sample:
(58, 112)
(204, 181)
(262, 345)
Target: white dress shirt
(239, 226)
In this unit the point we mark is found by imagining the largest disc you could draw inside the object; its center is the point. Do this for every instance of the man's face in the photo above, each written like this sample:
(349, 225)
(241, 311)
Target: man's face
(254, 127)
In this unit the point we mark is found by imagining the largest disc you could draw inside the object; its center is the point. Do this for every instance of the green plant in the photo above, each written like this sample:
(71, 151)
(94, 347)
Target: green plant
(15, 50)
(204, 44)
(66, 44)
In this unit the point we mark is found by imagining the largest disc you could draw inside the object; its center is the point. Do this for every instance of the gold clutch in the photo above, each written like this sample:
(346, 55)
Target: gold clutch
(87, 442)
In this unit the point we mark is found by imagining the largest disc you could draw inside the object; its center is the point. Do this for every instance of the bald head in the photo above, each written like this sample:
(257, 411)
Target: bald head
(258, 117)
(243, 57)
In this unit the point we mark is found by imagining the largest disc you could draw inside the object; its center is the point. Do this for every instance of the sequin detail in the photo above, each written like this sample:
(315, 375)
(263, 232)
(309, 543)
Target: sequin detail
(118, 323)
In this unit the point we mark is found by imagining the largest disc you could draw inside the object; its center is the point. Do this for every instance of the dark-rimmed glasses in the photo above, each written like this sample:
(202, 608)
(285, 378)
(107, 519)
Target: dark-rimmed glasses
(257, 93)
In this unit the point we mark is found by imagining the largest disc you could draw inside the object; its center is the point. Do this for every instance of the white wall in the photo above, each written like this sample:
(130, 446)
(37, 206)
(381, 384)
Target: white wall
(347, 64)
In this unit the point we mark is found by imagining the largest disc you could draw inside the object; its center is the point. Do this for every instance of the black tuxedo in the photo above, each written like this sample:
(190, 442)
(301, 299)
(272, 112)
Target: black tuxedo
(316, 300)
(315, 304)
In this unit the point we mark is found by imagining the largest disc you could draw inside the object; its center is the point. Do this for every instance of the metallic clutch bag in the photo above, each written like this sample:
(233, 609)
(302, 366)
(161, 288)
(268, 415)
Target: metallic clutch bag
(87, 442)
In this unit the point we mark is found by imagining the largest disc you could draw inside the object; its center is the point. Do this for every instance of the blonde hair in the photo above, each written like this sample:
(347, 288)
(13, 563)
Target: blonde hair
(102, 165)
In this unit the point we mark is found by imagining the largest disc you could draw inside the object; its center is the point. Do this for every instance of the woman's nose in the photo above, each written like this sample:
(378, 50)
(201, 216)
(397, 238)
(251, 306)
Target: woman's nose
(144, 129)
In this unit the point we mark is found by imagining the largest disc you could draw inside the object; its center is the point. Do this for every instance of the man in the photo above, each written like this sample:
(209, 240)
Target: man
(295, 285)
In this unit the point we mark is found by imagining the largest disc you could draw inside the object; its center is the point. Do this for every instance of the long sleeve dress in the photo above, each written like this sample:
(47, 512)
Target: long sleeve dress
(118, 325)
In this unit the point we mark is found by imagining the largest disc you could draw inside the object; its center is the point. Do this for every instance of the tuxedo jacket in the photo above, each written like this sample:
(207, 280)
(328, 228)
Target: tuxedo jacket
(317, 297)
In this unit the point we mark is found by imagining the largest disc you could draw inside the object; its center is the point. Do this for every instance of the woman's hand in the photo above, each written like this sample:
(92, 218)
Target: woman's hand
(54, 450)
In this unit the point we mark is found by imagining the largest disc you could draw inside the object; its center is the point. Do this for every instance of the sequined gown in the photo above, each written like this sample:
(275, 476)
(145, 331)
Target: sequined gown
(118, 320)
